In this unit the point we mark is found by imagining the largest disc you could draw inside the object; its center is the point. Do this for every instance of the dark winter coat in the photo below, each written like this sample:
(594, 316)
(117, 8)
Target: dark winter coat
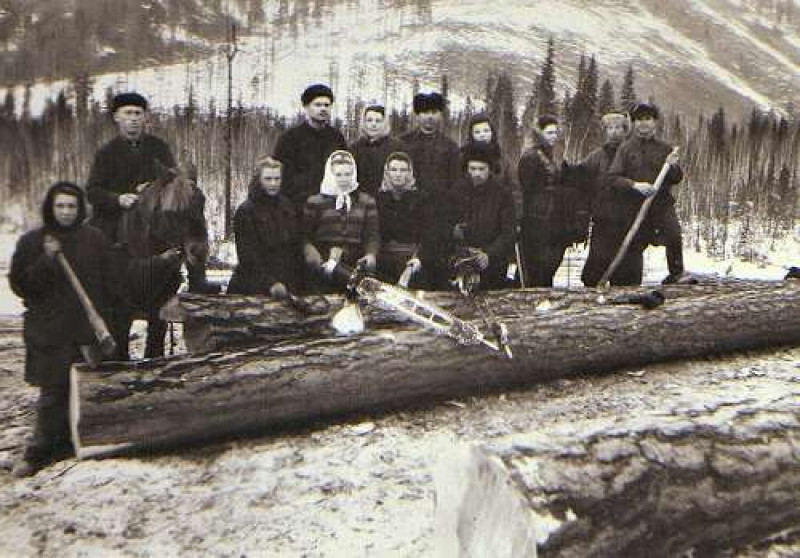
(119, 166)
(55, 322)
(640, 160)
(593, 172)
(370, 159)
(268, 244)
(436, 158)
(547, 198)
(406, 225)
(303, 150)
(356, 231)
(486, 213)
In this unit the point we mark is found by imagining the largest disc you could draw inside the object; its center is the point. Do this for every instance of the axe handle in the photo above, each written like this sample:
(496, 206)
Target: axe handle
(104, 338)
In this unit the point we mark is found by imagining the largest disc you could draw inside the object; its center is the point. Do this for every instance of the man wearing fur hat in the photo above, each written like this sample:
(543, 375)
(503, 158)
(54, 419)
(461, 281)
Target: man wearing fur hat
(609, 221)
(631, 176)
(436, 157)
(125, 164)
(480, 227)
(304, 149)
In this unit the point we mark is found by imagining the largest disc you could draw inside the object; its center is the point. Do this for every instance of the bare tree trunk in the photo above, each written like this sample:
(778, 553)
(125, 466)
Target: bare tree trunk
(296, 381)
(698, 481)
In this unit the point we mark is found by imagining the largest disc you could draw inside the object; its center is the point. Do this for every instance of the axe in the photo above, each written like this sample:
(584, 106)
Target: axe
(104, 338)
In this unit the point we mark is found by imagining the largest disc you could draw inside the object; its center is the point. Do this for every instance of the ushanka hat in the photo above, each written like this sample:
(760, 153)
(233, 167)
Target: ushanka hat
(485, 153)
(128, 99)
(314, 91)
(426, 102)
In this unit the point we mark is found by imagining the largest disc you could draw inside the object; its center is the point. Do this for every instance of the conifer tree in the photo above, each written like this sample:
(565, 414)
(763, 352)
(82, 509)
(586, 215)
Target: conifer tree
(627, 96)
(546, 83)
(606, 102)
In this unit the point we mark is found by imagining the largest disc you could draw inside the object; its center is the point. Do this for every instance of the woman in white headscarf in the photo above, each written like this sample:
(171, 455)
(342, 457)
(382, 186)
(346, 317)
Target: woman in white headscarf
(340, 224)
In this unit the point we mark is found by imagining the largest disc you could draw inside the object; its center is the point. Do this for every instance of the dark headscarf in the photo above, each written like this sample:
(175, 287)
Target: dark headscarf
(47, 205)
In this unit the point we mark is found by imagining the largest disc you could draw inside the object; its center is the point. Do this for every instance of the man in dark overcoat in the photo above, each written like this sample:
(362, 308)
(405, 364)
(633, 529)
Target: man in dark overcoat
(632, 174)
(436, 158)
(481, 221)
(304, 149)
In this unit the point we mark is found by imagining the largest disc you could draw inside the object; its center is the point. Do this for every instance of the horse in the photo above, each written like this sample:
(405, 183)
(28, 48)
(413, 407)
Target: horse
(165, 228)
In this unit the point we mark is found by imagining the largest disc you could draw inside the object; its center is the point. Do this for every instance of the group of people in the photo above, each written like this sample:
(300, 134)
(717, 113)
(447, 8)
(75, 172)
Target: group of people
(419, 203)
(416, 205)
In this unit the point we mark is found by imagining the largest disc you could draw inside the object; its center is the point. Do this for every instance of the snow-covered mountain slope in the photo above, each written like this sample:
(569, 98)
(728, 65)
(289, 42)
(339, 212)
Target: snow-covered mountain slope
(690, 55)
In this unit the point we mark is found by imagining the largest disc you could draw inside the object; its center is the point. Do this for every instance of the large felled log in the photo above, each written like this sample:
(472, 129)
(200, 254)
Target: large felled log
(206, 395)
(697, 482)
(217, 322)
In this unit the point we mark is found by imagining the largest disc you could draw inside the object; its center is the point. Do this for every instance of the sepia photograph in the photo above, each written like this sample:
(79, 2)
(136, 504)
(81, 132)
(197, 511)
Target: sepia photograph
(400, 278)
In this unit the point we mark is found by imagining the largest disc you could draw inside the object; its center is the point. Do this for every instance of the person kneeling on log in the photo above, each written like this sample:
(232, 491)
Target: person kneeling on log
(405, 218)
(56, 324)
(268, 237)
(340, 223)
(481, 223)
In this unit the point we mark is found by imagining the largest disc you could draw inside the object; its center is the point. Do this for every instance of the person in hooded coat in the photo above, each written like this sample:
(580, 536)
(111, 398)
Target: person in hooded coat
(55, 323)
(340, 223)
(268, 237)
(372, 148)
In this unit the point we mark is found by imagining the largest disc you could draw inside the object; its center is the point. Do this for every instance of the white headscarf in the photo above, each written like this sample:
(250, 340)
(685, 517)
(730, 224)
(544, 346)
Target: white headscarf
(329, 186)
(386, 183)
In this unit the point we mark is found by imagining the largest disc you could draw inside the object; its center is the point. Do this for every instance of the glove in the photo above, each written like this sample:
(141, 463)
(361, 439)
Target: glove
(458, 231)
(481, 259)
(312, 257)
(126, 201)
(367, 261)
(278, 290)
(645, 188)
(51, 246)
(171, 257)
(673, 158)
(415, 264)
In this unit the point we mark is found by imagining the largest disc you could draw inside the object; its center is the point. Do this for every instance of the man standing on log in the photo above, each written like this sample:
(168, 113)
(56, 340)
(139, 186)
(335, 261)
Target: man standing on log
(635, 167)
(56, 324)
(304, 149)
(436, 157)
(609, 217)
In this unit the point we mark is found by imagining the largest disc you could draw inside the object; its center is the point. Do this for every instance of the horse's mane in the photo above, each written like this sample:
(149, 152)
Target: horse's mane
(170, 193)
(163, 214)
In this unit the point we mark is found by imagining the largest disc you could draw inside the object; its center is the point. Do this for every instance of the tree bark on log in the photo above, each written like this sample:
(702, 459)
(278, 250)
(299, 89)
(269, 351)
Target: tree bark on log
(215, 322)
(196, 397)
(703, 482)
